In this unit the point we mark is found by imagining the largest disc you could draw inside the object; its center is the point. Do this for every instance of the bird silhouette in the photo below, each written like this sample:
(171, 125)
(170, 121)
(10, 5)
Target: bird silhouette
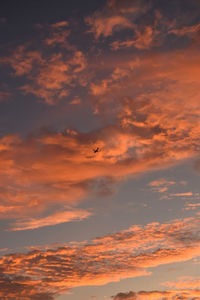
(96, 150)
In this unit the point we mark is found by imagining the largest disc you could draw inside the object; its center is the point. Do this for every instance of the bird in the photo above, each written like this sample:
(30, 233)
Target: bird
(96, 150)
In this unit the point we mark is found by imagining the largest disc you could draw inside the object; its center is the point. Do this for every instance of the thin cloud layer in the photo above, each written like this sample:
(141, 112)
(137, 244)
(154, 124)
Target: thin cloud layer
(105, 259)
(188, 282)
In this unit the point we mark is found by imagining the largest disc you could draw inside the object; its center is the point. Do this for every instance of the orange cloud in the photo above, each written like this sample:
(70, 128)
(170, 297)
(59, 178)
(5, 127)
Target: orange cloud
(57, 218)
(161, 185)
(56, 77)
(159, 295)
(105, 259)
(115, 16)
(146, 36)
(143, 40)
(185, 288)
(142, 92)
(191, 206)
(107, 25)
(51, 74)
(58, 34)
(182, 194)
(150, 131)
(187, 30)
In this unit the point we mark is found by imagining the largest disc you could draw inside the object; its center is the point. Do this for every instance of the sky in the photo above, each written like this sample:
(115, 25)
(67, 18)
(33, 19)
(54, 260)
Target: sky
(99, 150)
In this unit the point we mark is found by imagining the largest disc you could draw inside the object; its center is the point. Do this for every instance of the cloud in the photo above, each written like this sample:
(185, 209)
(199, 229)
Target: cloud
(186, 282)
(146, 35)
(161, 185)
(52, 69)
(128, 253)
(59, 25)
(191, 31)
(143, 40)
(57, 218)
(148, 24)
(56, 77)
(75, 101)
(107, 25)
(115, 16)
(149, 130)
(191, 206)
(186, 288)
(58, 35)
(159, 295)
(182, 194)
(140, 93)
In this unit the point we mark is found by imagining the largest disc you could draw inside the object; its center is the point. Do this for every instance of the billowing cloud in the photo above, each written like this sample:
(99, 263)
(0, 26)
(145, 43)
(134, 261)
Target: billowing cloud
(56, 76)
(61, 168)
(141, 92)
(51, 69)
(105, 259)
(149, 131)
(116, 15)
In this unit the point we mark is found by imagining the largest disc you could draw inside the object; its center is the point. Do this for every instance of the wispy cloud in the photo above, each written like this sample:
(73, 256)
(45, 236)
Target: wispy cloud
(161, 185)
(56, 218)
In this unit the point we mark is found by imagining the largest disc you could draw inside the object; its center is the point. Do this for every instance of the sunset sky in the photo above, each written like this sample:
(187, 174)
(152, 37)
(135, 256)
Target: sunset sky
(121, 222)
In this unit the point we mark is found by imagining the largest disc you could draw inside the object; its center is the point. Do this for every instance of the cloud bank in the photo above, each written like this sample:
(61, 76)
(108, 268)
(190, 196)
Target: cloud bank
(128, 253)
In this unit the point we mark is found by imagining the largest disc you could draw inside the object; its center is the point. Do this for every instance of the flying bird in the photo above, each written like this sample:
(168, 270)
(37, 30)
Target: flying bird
(96, 150)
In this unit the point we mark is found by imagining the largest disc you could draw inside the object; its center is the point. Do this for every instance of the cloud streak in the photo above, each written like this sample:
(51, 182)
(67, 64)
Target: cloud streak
(56, 218)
